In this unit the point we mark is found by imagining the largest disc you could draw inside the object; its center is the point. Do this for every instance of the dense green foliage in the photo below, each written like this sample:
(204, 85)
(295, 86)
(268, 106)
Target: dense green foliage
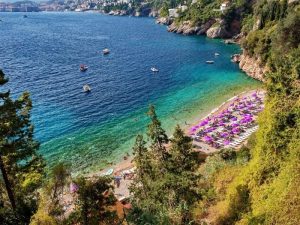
(21, 166)
(163, 192)
(276, 30)
(266, 190)
(256, 185)
(94, 199)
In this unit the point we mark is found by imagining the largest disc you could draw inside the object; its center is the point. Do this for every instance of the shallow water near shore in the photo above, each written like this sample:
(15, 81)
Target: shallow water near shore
(42, 54)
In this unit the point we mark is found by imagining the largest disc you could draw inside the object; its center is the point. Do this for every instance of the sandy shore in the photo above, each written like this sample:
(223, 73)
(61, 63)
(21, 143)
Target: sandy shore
(122, 191)
(127, 164)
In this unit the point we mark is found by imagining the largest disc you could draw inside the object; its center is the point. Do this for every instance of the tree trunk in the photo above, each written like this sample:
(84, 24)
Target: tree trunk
(7, 185)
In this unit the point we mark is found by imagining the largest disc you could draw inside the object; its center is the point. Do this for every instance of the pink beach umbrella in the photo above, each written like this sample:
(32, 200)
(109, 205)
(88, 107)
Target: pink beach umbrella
(203, 123)
(207, 138)
(226, 142)
(236, 130)
(73, 187)
(224, 134)
(250, 119)
(220, 116)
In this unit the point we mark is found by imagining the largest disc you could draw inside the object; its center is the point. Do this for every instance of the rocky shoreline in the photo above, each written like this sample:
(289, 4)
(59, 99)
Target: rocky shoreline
(215, 28)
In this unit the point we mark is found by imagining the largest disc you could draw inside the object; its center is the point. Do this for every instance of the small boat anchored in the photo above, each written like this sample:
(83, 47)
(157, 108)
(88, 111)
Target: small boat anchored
(105, 51)
(153, 69)
(210, 62)
(83, 68)
(217, 54)
(86, 88)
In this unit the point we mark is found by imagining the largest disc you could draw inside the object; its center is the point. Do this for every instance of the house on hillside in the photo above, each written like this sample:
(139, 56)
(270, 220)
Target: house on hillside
(224, 6)
(183, 8)
(173, 13)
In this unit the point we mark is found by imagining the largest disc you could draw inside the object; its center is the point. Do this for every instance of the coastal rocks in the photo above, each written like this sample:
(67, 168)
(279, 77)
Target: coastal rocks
(186, 28)
(229, 41)
(234, 28)
(217, 31)
(172, 27)
(137, 14)
(252, 67)
(145, 11)
(238, 38)
(164, 20)
(204, 27)
(117, 13)
(153, 13)
(236, 58)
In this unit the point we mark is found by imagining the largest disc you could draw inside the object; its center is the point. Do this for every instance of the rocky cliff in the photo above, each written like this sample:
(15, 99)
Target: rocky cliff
(186, 28)
(213, 28)
(252, 66)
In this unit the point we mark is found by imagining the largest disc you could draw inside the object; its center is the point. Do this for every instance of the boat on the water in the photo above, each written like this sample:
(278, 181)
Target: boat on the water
(86, 88)
(217, 54)
(210, 62)
(83, 68)
(105, 51)
(153, 69)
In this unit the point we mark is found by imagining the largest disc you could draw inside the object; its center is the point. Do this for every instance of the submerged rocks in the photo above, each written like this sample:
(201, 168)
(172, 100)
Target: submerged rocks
(229, 41)
(236, 58)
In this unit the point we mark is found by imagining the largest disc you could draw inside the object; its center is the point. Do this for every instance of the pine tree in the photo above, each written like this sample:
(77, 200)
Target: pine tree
(181, 177)
(94, 203)
(145, 171)
(143, 185)
(142, 158)
(21, 166)
(60, 174)
(165, 186)
(157, 135)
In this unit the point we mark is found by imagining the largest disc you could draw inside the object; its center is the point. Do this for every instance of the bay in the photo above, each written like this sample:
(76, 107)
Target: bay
(42, 54)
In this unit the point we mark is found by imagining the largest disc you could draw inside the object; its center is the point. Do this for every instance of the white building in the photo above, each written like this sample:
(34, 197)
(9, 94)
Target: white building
(183, 8)
(173, 13)
(123, 1)
(224, 6)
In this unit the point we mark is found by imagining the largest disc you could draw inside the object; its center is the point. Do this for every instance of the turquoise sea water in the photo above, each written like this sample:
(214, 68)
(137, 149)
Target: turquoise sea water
(42, 54)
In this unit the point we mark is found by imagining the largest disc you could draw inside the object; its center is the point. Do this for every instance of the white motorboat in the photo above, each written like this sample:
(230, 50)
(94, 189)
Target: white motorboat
(153, 69)
(105, 51)
(86, 88)
(83, 68)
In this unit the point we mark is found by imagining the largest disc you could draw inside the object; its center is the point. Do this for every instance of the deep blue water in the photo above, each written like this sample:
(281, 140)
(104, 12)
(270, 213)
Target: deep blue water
(42, 54)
